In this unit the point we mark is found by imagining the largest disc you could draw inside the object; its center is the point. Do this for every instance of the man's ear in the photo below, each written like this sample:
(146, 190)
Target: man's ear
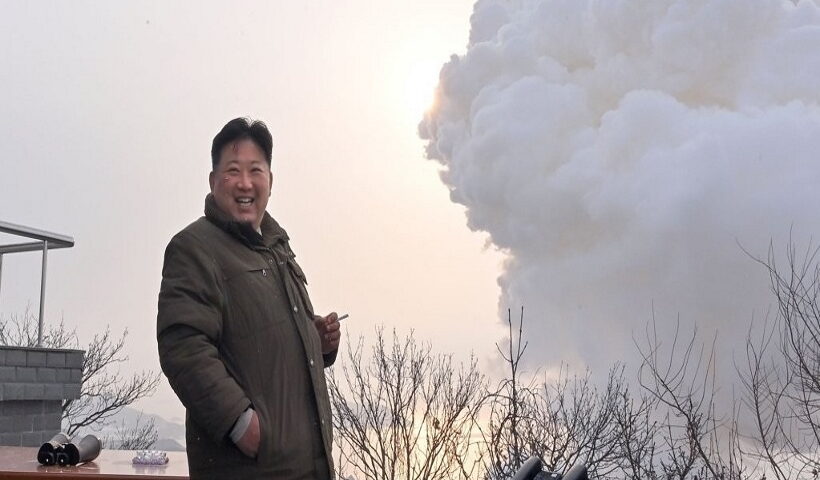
(270, 183)
(211, 180)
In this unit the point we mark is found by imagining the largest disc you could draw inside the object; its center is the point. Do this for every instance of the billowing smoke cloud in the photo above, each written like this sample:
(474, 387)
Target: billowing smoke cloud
(622, 151)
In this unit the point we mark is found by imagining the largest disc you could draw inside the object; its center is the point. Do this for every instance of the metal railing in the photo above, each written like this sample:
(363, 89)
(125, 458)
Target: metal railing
(43, 241)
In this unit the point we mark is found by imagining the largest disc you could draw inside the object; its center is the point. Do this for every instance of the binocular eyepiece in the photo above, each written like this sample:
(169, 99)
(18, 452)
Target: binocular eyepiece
(48, 452)
(534, 466)
(60, 451)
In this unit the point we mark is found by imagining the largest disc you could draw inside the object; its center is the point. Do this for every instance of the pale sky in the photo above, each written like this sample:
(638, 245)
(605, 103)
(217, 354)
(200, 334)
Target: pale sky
(108, 113)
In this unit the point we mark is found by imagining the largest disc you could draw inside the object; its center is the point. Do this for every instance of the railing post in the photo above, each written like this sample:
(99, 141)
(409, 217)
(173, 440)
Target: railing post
(42, 294)
(42, 240)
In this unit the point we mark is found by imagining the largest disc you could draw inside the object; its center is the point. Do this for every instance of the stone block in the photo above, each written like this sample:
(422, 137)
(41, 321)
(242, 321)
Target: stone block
(34, 391)
(71, 391)
(22, 423)
(12, 408)
(45, 422)
(62, 375)
(36, 358)
(8, 374)
(31, 439)
(6, 423)
(16, 357)
(46, 375)
(56, 359)
(52, 422)
(48, 422)
(10, 439)
(33, 384)
(53, 391)
(13, 391)
(37, 422)
(26, 374)
(74, 359)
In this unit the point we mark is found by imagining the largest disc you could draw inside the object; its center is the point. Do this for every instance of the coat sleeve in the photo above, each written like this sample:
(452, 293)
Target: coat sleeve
(189, 324)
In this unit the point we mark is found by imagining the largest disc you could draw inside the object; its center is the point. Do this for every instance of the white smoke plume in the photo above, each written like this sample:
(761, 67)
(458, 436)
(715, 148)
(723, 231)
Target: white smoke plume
(622, 151)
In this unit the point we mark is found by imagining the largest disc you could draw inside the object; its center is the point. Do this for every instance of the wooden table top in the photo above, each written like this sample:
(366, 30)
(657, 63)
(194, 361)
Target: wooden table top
(21, 463)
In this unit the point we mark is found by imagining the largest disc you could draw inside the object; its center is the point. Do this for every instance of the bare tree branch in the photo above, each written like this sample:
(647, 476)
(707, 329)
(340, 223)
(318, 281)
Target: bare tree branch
(405, 412)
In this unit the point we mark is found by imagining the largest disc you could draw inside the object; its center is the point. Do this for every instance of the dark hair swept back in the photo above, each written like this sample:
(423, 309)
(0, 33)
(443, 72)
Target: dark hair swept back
(240, 129)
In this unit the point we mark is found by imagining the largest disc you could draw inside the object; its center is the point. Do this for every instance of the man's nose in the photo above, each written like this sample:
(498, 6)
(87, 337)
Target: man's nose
(244, 181)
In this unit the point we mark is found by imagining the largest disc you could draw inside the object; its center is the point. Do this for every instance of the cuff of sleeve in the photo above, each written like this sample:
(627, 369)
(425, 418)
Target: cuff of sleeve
(329, 358)
(241, 425)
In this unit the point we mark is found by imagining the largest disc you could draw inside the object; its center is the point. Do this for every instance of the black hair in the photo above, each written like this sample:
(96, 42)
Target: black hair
(239, 129)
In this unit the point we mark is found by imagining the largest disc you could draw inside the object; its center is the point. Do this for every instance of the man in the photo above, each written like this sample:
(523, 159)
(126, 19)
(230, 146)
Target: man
(238, 339)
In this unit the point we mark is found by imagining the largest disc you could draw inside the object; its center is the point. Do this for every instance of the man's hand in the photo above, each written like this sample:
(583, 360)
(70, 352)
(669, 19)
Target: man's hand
(249, 443)
(329, 330)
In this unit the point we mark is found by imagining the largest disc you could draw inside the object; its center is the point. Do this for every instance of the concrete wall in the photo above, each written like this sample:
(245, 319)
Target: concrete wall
(33, 384)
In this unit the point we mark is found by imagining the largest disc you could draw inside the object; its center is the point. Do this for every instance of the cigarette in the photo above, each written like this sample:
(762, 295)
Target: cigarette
(342, 317)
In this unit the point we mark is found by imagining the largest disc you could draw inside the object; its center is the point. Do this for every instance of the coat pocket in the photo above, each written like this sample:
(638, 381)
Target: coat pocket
(266, 454)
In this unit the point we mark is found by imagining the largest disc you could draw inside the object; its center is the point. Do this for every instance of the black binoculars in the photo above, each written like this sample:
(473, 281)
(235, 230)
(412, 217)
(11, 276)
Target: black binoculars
(532, 469)
(60, 451)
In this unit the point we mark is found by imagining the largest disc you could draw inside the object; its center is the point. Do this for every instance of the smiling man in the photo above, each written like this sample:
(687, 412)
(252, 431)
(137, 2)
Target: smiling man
(237, 335)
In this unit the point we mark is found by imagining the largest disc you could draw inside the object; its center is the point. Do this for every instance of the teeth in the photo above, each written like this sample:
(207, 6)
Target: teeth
(246, 201)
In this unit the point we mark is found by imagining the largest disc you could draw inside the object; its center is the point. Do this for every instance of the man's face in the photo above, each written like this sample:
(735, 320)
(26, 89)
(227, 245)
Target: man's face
(241, 182)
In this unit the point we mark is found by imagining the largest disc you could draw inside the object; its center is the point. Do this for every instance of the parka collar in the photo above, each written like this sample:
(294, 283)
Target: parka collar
(272, 232)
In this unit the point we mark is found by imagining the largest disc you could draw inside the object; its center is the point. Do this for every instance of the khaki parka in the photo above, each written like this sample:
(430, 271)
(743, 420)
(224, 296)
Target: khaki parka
(235, 329)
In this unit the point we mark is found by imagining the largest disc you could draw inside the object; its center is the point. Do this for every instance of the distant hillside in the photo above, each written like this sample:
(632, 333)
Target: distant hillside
(171, 434)
(168, 445)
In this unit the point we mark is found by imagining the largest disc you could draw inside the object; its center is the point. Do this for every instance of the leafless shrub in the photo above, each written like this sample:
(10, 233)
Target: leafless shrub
(104, 391)
(565, 420)
(404, 412)
(21, 331)
(782, 371)
(140, 436)
(691, 439)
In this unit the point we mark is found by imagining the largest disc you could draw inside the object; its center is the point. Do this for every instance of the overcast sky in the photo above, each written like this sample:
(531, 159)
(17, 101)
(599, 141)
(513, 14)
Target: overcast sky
(108, 113)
